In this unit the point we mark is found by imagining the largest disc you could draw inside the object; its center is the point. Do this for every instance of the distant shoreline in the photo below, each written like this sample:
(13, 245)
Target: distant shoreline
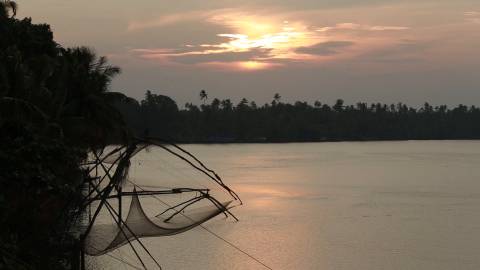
(277, 122)
(320, 141)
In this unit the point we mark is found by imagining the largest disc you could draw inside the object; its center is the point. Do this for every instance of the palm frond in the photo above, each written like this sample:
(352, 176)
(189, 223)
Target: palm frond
(13, 7)
(18, 108)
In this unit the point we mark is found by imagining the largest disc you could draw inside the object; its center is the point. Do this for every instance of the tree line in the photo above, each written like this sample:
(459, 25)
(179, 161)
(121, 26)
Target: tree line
(219, 121)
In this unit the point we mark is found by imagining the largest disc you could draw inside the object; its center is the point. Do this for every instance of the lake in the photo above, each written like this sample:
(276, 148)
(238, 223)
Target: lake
(342, 206)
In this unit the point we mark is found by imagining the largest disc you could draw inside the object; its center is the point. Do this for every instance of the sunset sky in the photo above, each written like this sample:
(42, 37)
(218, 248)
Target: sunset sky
(386, 51)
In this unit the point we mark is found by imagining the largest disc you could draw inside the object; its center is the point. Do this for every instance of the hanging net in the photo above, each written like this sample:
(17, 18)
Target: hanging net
(161, 189)
(106, 237)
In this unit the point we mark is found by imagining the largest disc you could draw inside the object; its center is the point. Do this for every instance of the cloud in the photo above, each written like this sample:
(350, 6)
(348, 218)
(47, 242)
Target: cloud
(175, 18)
(204, 53)
(187, 49)
(387, 28)
(224, 57)
(403, 51)
(471, 13)
(247, 38)
(472, 16)
(325, 48)
(242, 66)
(356, 26)
(257, 39)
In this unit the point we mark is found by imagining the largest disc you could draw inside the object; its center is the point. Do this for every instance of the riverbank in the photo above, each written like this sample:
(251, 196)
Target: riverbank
(314, 141)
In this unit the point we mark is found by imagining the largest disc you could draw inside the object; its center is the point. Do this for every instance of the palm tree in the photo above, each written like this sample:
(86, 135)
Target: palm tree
(243, 104)
(82, 97)
(203, 96)
(276, 99)
(338, 107)
(7, 6)
(226, 105)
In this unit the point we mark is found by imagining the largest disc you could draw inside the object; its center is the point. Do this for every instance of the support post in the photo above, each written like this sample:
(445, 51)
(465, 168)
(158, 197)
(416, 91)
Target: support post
(82, 254)
(119, 191)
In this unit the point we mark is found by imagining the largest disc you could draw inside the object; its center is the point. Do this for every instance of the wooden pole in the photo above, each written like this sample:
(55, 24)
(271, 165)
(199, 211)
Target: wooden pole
(82, 255)
(119, 191)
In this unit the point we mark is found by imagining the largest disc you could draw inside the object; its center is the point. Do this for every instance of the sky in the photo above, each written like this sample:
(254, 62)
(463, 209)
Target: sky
(371, 51)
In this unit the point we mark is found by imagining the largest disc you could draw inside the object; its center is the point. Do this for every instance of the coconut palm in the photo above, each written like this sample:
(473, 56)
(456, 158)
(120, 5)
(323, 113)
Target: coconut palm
(6, 7)
(83, 102)
(203, 96)
(55, 104)
(66, 88)
(276, 99)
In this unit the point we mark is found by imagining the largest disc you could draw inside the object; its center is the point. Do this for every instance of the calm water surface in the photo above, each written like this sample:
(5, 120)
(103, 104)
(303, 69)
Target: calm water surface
(352, 206)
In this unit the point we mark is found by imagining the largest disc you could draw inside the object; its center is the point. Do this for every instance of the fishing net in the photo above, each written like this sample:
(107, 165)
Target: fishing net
(161, 189)
(106, 237)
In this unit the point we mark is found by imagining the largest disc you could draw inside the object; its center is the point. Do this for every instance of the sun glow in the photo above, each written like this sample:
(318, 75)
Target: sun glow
(253, 65)
(277, 36)
(257, 42)
(267, 41)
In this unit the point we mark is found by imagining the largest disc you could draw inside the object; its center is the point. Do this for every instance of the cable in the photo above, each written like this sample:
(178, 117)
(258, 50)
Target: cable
(214, 234)
(121, 257)
(235, 247)
(180, 172)
(200, 167)
(123, 261)
(107, 190)
(217, 180)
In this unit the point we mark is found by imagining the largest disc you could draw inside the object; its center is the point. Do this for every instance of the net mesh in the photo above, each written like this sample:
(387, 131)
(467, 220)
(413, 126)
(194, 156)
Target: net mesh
(150, 166)
(106, 237)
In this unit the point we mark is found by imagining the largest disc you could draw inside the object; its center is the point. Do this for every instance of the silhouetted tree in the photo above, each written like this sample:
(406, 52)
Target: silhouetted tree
(7, 7)
(55, 107)
(226, 105)
(338, 105)
(203, 96)
(221, 121)
(276, 99)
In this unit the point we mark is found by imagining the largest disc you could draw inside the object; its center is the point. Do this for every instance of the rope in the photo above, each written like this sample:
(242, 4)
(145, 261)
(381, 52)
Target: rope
(214, 178)
(202, 168)
(213, 233)
(180, 172)
(110, 209)
(235, 247)
(123, 261)
(120, 221)
(125, 256)
(233, 193)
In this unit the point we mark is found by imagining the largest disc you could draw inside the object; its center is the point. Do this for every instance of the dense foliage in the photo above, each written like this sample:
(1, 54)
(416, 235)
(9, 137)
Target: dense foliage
(222, 121)
(54, 107)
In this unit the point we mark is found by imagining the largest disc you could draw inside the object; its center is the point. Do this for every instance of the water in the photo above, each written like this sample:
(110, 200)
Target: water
(342, 206)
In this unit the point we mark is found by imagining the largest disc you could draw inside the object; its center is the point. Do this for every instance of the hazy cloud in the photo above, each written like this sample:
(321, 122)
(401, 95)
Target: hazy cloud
(225, 57)
(325, 48)
(472, 13)
(266, 36)
(356, 26)
(403, 51)
(167, 20)
(472, 16)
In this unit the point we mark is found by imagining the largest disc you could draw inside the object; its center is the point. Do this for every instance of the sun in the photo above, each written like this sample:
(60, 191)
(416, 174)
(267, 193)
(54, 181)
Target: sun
(252, 65)
(255, 65)
(266, 36)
